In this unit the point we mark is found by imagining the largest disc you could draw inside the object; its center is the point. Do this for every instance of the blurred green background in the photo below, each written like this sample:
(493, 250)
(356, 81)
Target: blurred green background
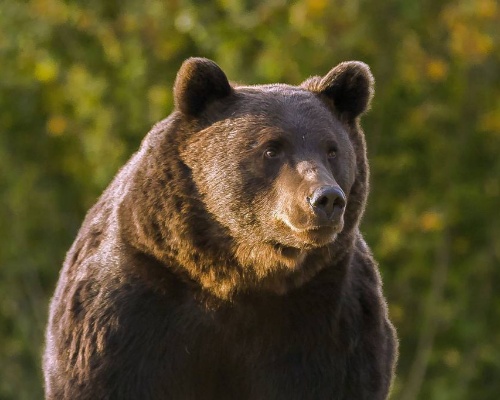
(82, 82)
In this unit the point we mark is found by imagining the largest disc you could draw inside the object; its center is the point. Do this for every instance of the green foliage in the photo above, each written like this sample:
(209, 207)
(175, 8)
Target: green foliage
(82, 82)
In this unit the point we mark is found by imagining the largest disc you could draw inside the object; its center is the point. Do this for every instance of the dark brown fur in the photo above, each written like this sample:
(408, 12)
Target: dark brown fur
(204, 272)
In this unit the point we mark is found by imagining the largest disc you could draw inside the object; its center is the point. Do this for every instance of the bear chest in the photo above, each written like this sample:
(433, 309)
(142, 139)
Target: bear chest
(254, 354)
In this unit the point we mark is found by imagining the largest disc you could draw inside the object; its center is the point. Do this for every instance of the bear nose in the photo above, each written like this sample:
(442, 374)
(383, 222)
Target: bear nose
(326, 199)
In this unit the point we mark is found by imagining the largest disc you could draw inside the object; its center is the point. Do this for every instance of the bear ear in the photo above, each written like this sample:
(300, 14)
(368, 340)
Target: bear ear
(349, 85)
(199, 82)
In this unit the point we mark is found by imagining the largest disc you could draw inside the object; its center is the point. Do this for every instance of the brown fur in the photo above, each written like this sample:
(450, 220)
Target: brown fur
(205, 272)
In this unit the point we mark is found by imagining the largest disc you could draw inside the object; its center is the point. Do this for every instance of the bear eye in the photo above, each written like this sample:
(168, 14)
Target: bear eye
(271, 152)
(332, 153)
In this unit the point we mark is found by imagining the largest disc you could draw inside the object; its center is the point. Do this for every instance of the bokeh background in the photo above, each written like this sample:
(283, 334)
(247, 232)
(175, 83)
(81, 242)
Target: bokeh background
(81, 82)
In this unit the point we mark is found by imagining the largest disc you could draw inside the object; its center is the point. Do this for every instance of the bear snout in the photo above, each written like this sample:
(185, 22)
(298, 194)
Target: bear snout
(327, 203)
(316, 219)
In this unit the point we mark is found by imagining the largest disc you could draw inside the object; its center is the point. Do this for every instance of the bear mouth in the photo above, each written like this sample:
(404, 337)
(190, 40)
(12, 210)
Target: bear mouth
(312, 231)
(317, 236)
(287, 251)
(307, 239)
(313, 236)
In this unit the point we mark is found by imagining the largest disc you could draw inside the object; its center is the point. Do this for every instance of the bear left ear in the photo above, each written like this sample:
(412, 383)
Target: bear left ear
(199, 82)
(349, 85)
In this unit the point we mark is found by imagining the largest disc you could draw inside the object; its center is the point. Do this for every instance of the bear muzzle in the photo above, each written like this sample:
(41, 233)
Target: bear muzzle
(318, 219)
(327, 203)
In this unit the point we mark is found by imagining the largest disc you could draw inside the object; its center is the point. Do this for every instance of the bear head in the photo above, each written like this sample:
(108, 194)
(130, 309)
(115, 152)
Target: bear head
(255, 187)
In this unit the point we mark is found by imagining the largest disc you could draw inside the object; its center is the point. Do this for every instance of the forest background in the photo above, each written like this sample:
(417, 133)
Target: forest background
(82, 82)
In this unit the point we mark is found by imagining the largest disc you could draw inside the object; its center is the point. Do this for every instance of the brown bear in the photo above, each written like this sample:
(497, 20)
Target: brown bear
(225, 260)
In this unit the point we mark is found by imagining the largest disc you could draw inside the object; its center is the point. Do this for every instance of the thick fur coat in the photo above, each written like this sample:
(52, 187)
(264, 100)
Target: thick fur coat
(224, 260)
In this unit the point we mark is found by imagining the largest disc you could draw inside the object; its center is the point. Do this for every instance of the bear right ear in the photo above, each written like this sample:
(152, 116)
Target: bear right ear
(349, 86)
(199, 82)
